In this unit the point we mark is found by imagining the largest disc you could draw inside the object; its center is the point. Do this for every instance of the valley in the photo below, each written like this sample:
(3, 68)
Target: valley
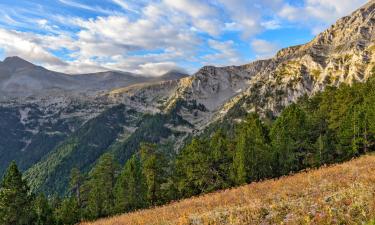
(87, 146)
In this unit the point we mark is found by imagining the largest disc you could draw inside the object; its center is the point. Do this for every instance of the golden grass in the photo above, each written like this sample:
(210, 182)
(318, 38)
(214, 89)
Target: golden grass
(338, 194)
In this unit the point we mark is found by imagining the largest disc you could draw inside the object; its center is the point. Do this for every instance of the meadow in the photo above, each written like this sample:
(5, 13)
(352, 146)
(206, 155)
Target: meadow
(336, 194)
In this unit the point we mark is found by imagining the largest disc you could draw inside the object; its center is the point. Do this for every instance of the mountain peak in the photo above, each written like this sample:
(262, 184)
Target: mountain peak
(15, 62)
(173, 75)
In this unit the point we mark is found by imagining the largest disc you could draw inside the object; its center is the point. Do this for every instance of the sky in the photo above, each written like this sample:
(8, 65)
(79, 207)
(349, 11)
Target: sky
(152, 37)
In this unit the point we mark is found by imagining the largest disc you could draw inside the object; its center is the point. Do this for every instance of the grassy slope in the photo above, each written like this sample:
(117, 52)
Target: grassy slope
(331, 195)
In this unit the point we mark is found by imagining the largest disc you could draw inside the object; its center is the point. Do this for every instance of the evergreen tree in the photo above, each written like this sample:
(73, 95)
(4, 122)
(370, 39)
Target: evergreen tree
(153, 169)
(290, 140)
(220, 160)
(130, 189)
(43, 211)
(15, 201)
(76, 181)
(252, 159)
(322, 137)
(193, 169)
(101, 184)
(68, 213)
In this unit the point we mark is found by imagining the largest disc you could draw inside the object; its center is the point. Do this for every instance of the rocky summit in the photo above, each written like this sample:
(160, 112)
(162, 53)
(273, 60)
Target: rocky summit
(49, 124)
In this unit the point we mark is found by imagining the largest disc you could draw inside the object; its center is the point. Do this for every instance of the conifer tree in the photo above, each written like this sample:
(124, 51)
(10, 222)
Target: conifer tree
(76, 182)
(193, 168)
(153, 169)
(290, 140)
(252, 154)
(68, 213)
(130, 189)
(15, 201)
(220, 160)
(101, 184)
(43, 211)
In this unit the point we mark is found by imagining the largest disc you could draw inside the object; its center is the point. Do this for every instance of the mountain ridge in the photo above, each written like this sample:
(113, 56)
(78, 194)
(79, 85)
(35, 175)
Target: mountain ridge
(20, 78)
(185, 107)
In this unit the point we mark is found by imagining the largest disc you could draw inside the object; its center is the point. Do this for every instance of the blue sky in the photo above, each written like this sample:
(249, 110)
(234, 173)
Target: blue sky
(154, 36)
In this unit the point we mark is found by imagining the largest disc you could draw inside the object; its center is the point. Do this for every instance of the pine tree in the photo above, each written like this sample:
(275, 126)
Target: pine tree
(291, 140)
(76, 181)
(101, 184)
(252, 154)
(43, 211)
(68, 213)
(153, 169)
(193, 169)
(130, 189)
(220, 160)
(15, 201)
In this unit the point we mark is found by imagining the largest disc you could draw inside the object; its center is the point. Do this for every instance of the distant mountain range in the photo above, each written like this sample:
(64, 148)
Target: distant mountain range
(21, 78)
(54, 125)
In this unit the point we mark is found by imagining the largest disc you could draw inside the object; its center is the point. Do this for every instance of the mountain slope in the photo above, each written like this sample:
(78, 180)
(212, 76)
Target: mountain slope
(21, 78)
(330, 195)
(343, 54)
(39, 109)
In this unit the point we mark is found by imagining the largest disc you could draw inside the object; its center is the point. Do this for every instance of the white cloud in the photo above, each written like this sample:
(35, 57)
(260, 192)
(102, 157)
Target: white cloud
(156, 69)
(79, 66)
(319, 13)
(24, 45)
(201, 14)
(225, 53)
(195, 8)
(264, 49)
(97, 9)
(331, 10)
(157, 35)
(291, 13)
(124, 35)
(248, 15)
(125, 5)
(271, 24)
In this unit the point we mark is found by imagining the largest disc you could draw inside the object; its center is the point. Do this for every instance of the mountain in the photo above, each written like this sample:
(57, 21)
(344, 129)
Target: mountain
(171, 75)
(48, 134)
(20, 78)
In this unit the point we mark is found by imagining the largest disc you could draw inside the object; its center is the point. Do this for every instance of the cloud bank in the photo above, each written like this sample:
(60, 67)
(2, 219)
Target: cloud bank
(153, 37)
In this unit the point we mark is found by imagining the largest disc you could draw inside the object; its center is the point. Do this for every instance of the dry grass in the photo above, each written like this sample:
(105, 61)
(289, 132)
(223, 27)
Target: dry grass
(339, 194)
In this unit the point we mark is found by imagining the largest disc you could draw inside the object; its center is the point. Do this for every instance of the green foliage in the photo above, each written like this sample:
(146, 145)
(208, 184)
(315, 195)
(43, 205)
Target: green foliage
(193, 168)
(130, 188)
(43, 211)
(15, 201)
(81, 150)
(100, 199)
(68, 213)
(153, 170)
(252, 158)
(330, 127)
(204, 165)
(14, 133)
(76, 182)
(290, 140)
(151, 129)
(220, 160)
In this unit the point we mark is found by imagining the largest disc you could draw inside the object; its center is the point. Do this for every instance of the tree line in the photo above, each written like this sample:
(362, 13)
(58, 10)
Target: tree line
(332, 126)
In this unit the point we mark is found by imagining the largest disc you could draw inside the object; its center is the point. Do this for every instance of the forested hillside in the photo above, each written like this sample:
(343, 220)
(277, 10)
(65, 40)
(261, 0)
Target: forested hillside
(103, 144)
(333, 126)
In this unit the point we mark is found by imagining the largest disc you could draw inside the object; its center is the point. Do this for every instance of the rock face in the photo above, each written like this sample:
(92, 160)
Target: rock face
(344, 53)
(165, 110)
